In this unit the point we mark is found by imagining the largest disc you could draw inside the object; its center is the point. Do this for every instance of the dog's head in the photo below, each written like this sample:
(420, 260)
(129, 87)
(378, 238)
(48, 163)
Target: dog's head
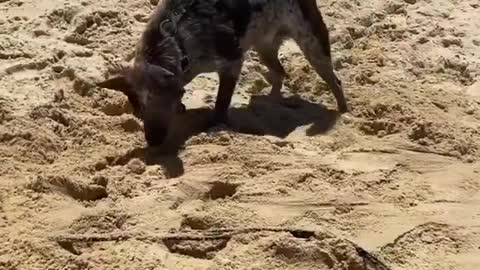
(155, 95)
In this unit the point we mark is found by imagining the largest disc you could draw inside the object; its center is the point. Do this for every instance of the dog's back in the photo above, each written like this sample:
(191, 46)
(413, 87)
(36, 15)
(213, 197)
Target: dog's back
(216, 33)
(267, 17)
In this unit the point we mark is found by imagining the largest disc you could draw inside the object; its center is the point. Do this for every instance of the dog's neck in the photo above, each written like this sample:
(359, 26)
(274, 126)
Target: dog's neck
(161, 50)
(160, 46)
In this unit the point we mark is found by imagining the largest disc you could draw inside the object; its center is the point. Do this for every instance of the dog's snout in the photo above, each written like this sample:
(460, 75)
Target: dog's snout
(181, 108)
(155, 136)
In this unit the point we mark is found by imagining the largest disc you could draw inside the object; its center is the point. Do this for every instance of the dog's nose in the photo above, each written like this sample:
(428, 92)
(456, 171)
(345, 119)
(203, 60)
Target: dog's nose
(181, 108)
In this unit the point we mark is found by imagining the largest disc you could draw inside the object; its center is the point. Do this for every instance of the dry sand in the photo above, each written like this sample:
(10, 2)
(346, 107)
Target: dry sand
(398, 176)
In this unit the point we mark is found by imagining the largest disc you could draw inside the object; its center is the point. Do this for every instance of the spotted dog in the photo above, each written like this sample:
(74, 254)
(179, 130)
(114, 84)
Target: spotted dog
(185, 38)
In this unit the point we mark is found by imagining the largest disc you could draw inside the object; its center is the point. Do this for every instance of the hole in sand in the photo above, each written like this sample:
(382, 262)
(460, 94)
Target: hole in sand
(69, 247)
(221, 190)
(196, 222)
(196, 249)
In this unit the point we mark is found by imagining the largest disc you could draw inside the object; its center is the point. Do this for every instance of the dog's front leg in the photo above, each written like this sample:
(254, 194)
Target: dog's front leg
(228, 77)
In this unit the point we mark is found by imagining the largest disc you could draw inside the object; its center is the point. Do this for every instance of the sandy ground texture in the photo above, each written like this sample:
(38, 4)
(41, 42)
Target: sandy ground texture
(395, 184)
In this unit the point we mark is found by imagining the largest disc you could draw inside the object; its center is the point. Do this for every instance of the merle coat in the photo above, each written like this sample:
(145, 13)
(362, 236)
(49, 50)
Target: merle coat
(184, 38)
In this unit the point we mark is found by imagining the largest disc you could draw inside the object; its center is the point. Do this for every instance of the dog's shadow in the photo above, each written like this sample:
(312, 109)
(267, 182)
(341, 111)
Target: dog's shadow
(262, 116)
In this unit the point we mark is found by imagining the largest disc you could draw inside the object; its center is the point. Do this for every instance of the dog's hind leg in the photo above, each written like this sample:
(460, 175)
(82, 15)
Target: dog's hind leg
(268, 54)
(313, 40)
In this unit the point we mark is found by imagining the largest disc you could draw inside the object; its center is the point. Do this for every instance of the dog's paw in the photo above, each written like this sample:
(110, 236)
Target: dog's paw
(218, 123)
(343, 108)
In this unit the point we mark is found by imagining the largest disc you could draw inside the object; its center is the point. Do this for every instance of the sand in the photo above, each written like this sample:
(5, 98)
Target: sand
(395, 184)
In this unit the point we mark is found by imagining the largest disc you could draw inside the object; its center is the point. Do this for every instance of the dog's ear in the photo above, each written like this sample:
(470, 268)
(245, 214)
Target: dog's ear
(119, 83)
(159, 71)
(159, 75)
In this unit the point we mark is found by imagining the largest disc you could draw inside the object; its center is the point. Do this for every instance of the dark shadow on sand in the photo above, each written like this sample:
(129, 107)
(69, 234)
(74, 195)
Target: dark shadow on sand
(262, 116)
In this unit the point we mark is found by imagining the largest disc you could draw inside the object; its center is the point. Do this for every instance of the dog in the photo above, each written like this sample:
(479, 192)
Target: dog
(184, 38)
